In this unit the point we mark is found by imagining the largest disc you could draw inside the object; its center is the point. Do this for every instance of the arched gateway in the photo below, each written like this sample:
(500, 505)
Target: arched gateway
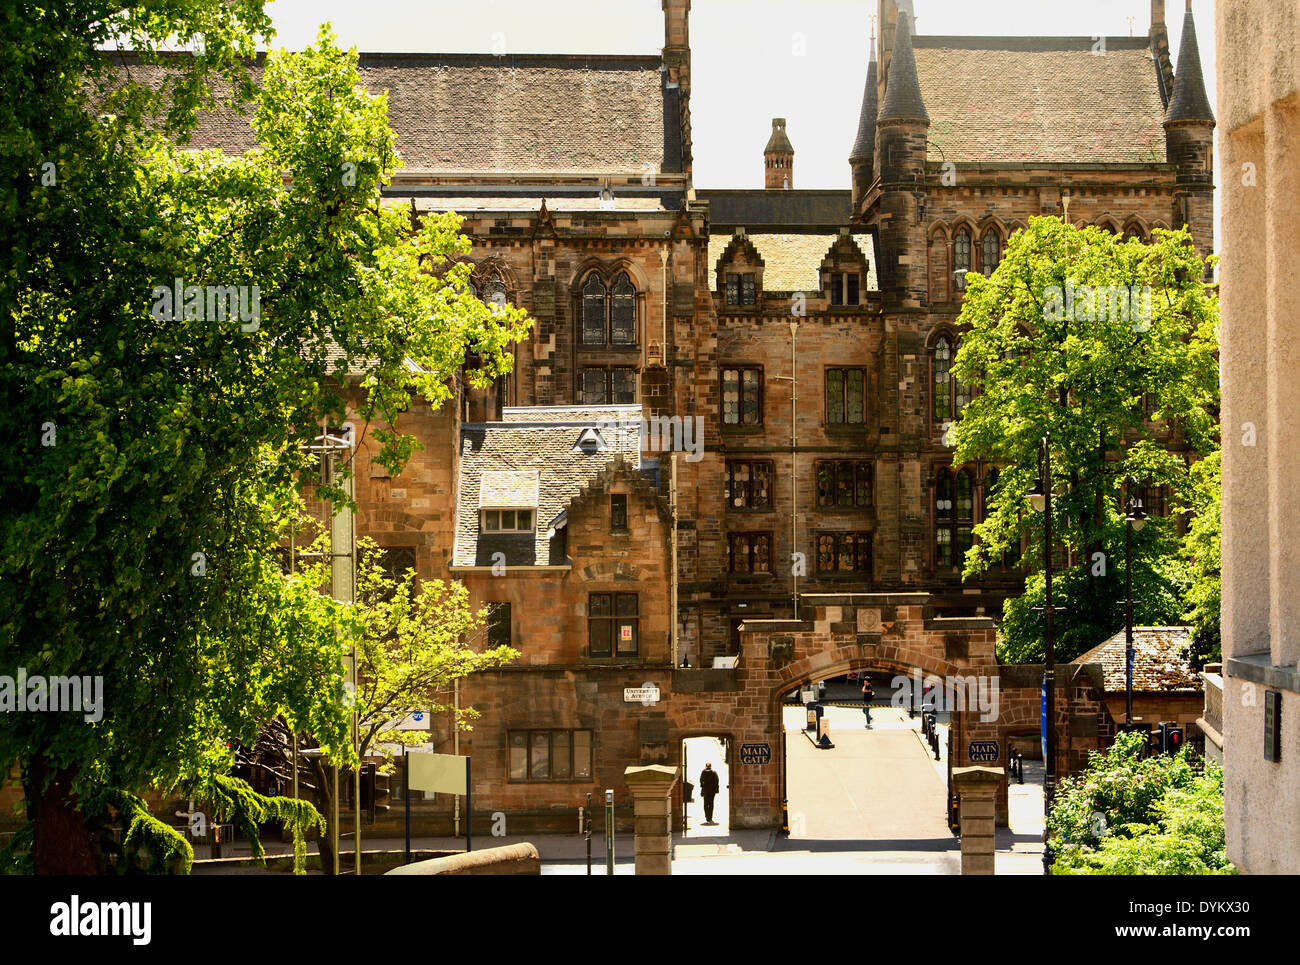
(883, 632)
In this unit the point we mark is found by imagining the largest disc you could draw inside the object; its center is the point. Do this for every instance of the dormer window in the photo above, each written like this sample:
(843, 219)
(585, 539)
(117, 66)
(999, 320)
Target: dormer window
(845, 288)
(508, 501)
(507, 521)
(742, 288)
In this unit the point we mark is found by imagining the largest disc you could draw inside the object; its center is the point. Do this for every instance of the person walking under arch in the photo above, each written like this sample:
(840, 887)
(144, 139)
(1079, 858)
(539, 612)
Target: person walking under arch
(868, 694)
(708, 791)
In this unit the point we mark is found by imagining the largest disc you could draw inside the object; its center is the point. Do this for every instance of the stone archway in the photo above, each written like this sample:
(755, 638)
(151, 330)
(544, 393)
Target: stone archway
(855, 631)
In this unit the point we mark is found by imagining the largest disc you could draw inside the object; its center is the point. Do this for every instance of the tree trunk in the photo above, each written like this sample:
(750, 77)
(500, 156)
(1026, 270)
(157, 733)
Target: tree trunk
(324, 842)
(62, 841)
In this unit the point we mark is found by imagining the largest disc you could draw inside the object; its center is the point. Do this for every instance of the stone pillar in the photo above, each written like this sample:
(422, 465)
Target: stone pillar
(652, 788)
(978, 788)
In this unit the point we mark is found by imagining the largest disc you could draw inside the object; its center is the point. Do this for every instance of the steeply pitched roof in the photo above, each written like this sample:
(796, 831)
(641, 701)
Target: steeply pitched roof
(902, 91)
(792, 262)
(537, 443)
(472, 113)
(865, 144)
(1159, 661)
(1041, 99)
(1189, 101)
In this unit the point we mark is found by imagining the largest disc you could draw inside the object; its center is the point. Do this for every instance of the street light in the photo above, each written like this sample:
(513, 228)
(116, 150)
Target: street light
(1040, 498)
(1134, 520)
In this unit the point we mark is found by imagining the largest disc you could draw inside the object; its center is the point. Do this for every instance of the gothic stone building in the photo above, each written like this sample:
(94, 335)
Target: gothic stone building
(807, 334)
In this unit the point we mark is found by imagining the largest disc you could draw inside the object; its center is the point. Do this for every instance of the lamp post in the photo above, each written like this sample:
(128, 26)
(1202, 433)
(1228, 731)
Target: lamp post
(1040, 498)
(1135, 519)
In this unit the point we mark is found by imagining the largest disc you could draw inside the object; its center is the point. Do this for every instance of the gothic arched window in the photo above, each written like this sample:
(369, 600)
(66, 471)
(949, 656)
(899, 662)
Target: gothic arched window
(608, 315)
(593, 311)
(961, 258)
(622, 312)
(992, 252)
(494, 292)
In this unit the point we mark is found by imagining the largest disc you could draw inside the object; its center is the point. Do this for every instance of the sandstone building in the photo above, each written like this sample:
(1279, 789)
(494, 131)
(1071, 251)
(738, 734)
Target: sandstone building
(804, 338)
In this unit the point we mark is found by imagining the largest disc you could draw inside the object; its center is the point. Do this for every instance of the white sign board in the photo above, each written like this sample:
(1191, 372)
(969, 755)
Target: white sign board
(419, 720)
(641, 695)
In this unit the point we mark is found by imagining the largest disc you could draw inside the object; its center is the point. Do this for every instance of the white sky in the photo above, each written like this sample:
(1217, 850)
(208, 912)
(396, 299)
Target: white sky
(744, 60)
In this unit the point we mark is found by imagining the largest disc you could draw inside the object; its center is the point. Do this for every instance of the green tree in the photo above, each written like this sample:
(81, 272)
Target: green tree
(414, 640)
(155, 450)
(1123, 394)
(1203, 552)
(1129, 814)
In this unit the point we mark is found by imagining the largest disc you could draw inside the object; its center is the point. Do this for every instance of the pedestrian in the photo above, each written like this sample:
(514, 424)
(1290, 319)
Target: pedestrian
(708, 790)
(867, 695)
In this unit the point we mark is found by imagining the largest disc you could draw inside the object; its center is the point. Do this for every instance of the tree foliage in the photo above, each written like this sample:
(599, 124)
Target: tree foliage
(155, 456)
(413, 640)
(1203, 552)
(1128, 814)
(1129, 395)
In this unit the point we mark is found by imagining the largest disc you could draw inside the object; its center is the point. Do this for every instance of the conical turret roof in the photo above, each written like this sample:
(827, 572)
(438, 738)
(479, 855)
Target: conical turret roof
(865, 145)
(902, 89)
(1189, 101)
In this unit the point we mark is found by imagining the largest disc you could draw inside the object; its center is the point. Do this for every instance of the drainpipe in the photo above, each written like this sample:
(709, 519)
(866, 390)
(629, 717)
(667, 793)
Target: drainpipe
(794, 485)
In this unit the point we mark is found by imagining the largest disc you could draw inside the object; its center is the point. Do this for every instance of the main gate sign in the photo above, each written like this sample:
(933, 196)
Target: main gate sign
(755, 753)
(983, 752)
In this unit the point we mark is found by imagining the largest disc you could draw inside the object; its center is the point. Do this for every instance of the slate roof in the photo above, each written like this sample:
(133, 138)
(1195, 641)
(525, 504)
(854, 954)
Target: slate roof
(477, 112)
(553, 204)
(508, 488)
(730, 208)
(864, 146)
(1159, 662)
(1040, 99)
(1189, 101)
(903, 98)
(538, 441)
(792, 262)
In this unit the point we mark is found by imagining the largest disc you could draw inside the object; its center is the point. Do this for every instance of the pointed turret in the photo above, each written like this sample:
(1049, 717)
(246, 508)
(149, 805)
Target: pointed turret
(902, 89)
(862, 156)
(1189, 143)
(1189, 101)
(901, 130)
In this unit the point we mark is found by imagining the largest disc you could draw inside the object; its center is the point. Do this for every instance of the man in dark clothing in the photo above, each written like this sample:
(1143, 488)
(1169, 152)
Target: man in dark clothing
(708, 790)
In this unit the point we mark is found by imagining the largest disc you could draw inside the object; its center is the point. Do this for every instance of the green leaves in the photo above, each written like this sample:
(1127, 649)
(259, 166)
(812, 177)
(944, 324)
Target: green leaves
(182, 433)
(1109, 346)
(1129, 814)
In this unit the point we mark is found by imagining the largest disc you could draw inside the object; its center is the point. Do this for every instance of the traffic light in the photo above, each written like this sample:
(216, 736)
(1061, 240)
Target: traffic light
(1169, 739)
(1173, 739)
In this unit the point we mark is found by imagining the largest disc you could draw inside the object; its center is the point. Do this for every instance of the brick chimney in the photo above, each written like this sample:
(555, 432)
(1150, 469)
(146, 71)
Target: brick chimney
(778, 158)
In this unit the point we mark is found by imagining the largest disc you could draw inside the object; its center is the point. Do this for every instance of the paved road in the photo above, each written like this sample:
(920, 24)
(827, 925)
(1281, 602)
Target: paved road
(875, 785)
